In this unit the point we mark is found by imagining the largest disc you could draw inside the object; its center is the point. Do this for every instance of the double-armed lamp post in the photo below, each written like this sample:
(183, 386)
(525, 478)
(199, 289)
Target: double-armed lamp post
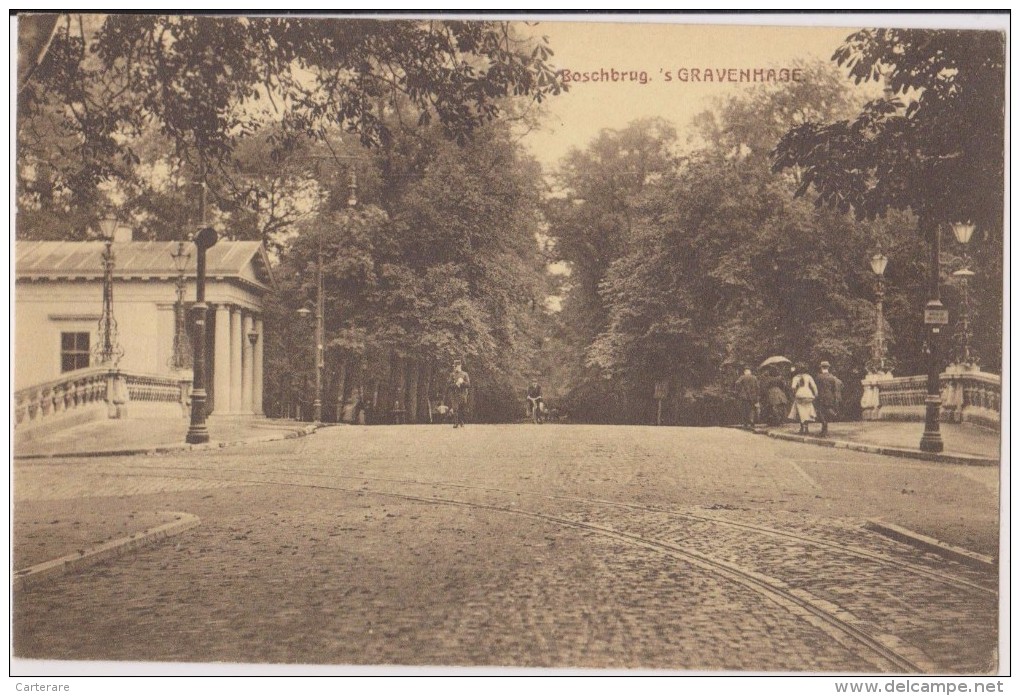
(935, 317)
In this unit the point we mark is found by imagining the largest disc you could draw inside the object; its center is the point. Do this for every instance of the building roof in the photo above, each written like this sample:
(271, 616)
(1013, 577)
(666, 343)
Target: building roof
(141, 260)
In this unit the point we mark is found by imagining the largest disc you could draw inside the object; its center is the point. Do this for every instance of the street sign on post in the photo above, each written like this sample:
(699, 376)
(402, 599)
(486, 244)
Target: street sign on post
(661, 392)
(936, 316)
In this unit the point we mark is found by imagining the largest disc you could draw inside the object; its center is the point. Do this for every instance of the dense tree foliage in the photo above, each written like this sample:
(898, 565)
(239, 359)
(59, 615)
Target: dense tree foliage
(438, 260)
(594, 219)
(95, 90)
(687, 256)
(933, 144)
(718, 263)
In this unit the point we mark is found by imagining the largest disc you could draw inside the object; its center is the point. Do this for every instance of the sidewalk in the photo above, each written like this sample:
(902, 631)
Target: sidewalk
(137, 436)
(964, 443)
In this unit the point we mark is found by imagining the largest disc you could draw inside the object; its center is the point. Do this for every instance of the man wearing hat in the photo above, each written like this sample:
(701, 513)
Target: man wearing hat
(830, 395)
(748, 391)
(457, 393)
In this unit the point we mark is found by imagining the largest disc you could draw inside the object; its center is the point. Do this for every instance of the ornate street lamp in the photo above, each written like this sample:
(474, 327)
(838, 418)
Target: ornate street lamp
(878, 263)
(108, 351)
(963, 231)
(181, 358)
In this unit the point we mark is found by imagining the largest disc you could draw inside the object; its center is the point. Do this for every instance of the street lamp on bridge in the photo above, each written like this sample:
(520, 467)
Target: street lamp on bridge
(963, 232)
(181, 357)
(878, 263)
(108, 350)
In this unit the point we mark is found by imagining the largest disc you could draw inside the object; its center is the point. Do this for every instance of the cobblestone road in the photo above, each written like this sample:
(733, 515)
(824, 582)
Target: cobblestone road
(550, 546)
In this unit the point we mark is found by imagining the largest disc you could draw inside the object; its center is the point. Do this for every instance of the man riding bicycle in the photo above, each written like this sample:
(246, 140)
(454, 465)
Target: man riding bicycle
(535, 404)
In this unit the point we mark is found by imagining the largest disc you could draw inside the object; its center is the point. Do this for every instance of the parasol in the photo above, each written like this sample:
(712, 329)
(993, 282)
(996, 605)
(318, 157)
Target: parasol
(775, 360)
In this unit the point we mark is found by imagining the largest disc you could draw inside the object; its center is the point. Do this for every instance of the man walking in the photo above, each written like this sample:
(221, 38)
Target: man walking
(748, 392)
(830, 395)
(457, 393)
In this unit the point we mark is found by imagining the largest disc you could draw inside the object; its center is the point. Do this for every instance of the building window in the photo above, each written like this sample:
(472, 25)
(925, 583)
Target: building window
(74, 350)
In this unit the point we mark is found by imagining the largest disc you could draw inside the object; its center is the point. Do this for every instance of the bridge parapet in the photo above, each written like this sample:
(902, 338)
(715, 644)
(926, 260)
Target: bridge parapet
(96, 393)
(968, 395)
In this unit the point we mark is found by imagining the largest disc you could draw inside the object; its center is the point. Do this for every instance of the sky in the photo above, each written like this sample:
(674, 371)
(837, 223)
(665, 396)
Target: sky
(656, 43)
(575, 118)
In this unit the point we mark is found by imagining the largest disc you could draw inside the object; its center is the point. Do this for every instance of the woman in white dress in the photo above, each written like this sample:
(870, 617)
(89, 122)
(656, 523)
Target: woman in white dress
(804, 392)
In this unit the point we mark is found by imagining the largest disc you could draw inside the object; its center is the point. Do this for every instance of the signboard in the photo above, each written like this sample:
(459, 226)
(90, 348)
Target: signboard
(936, 316)
(661, 390)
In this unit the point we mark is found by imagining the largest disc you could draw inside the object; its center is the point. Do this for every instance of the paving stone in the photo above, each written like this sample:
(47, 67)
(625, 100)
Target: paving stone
(551, 546)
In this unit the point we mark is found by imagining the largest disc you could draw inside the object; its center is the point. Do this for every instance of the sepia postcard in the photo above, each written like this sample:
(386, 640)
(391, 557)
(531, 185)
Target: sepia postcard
(510, 344)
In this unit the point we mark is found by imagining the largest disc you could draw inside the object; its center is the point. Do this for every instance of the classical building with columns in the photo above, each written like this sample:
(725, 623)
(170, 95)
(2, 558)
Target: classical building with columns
(59, 301)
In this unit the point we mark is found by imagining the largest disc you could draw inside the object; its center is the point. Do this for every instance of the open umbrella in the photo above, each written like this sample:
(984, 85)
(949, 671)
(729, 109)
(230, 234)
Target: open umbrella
(776, 360)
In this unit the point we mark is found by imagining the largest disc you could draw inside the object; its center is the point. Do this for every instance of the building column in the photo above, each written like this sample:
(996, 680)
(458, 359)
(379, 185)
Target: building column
(247, 364)
(257, 368)
(221, 363)
(236, 342)
(166, 321)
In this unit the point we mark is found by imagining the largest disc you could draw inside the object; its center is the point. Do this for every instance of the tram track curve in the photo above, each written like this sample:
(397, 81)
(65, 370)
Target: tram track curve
(839, 625)
(911, 568)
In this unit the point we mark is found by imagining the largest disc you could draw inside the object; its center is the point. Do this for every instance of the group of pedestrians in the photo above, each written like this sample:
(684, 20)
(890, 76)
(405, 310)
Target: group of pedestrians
(803, 398)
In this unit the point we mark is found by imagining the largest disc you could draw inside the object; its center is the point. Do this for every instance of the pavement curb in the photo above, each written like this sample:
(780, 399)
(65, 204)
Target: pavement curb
(926, 543)
(166, 449)
(28, 577)
(966, 459)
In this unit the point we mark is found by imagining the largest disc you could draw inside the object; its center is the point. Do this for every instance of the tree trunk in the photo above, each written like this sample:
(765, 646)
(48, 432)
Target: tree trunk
(427, 390)
(392, 390)
(425, 387)
(341, 388)
(412, 396)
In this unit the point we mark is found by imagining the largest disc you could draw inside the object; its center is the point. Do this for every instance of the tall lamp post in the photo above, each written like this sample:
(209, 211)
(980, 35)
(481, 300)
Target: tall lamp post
(935, 317)
(352, 200)
(963, 231)
(878, 263)
(319, 333)
(197, 431)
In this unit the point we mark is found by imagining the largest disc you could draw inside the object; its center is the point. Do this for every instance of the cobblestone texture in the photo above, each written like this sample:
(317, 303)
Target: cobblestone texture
(327, 550)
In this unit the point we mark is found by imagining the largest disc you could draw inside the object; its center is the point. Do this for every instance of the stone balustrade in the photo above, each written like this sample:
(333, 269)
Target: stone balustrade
(155, 390)
(95, 393)
(968, 395)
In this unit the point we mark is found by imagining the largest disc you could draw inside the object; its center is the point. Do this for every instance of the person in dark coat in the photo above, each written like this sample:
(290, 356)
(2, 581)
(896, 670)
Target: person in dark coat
(830, 396)
(457, 387)
(748, 392)
(775, 398)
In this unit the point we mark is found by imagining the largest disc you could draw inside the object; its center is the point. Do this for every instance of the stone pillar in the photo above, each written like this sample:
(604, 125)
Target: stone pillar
(221, 363)
(247, 364)
(236, 342)
(871, 398)
(257, 368)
